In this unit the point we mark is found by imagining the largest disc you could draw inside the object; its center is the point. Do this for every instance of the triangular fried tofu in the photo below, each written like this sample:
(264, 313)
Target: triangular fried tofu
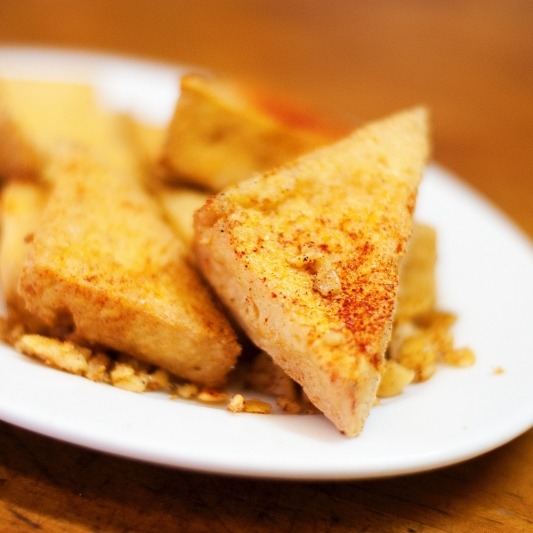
(104, 262)
(306, 257)
(222, 132)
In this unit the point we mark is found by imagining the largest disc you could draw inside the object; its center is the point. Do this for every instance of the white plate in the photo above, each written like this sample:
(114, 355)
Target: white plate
(485, 275)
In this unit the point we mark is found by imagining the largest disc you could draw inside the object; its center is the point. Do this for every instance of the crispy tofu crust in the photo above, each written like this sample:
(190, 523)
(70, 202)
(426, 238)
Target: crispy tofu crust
(223, 132)
(104, 261)
(306, 257)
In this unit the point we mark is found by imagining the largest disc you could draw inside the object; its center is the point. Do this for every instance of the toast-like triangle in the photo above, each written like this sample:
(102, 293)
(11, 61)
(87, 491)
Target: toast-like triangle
(306, 257)
(104, 261)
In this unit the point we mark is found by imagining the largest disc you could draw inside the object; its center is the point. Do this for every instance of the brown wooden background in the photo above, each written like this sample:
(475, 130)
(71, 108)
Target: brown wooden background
(471, 62)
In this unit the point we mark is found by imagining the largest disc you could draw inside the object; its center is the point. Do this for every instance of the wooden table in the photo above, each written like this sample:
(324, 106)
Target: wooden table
(472, 63)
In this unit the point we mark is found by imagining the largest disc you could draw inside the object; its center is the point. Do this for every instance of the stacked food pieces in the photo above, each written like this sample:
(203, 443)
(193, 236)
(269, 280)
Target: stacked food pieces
(301, 244)
(101, 266)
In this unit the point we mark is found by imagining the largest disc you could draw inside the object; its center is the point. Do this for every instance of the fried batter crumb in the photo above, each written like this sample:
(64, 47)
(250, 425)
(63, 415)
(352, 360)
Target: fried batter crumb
(58, 354)
(394, 378)
(422, 342)
(461, 357)
(186, 391)
(212, 396)
(257, 406)
(238, 404)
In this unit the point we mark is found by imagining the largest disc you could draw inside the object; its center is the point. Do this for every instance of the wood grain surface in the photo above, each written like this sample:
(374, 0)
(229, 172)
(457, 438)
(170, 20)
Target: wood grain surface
(471, 62)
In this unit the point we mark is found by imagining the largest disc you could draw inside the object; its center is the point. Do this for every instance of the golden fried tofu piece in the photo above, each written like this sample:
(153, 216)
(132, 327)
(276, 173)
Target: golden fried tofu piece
(417, 292)
(179, 206)
(104, 262)
(38, 116)
(306, 257)
(223, 132)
